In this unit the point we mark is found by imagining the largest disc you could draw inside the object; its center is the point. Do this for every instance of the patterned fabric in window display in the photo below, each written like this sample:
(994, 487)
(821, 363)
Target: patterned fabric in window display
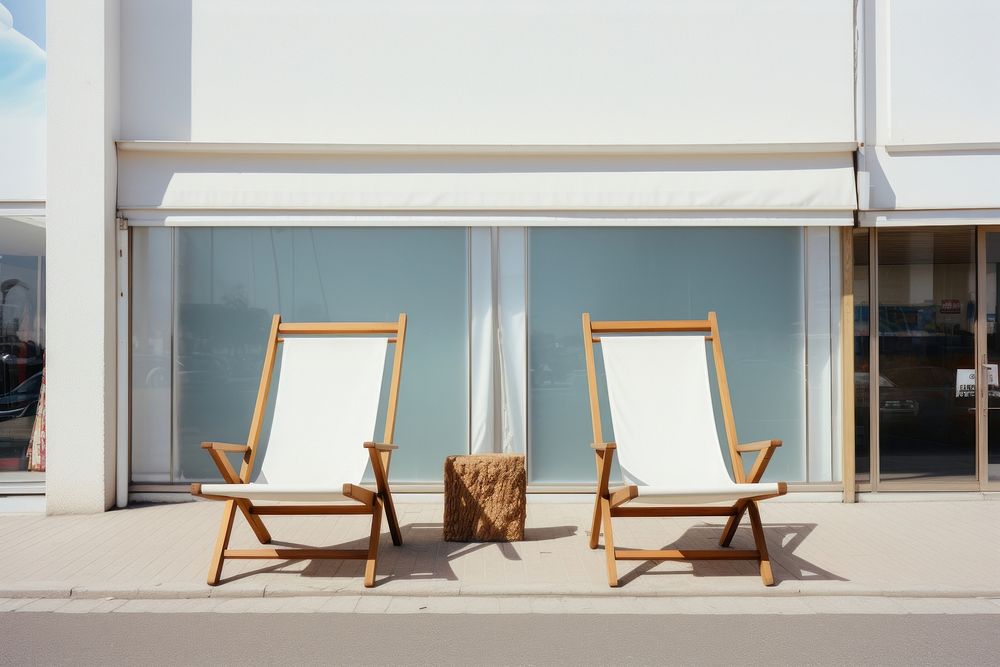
(36, 446)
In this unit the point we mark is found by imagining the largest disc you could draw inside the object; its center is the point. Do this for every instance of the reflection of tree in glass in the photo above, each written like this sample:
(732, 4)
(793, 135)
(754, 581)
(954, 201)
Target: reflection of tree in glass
(20, 307)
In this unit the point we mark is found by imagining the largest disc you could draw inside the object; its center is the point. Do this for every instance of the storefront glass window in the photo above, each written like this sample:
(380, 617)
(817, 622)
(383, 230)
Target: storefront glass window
(752, 278)
(22, 345)
(227, 283)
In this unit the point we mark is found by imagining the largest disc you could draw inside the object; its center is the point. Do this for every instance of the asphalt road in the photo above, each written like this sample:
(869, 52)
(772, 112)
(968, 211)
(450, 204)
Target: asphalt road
(294, 639)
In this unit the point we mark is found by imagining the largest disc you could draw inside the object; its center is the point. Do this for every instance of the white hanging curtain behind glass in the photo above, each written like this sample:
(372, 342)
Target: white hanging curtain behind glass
(152, 354)
(481, 348)
(498, 350)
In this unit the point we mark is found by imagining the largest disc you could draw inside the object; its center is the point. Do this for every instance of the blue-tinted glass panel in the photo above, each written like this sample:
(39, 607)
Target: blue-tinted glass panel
(229, 282)
(752, 278)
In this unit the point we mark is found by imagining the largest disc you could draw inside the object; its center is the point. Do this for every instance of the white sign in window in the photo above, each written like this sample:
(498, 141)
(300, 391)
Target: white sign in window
(965, 380)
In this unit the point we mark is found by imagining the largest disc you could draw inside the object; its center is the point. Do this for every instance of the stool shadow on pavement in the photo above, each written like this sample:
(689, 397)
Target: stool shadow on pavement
(432, 556)
(782, 541)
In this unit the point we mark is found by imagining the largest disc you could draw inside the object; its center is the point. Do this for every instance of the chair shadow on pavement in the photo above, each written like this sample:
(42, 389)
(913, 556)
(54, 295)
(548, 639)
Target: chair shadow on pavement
(782, 541)
(424, 555)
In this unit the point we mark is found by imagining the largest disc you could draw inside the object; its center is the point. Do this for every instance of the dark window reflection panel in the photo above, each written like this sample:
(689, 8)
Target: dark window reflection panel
(926, 324)
(22, 345)
(992, 296)
(862, 357)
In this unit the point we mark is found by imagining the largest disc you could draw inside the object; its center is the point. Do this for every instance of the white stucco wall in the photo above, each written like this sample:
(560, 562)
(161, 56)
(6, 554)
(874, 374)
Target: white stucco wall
(942, 75)
(933, 104)
(80, 355)
(484, 72)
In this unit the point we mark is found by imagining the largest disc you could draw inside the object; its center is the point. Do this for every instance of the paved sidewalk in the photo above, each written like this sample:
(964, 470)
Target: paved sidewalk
(900, 550)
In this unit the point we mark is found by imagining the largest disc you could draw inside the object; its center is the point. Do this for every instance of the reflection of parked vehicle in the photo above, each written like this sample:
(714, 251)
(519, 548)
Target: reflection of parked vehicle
(201, 370)
(18, 362)
(892, 400)
(22, 400)
(916, 398)
(151, 370)
(17, 419)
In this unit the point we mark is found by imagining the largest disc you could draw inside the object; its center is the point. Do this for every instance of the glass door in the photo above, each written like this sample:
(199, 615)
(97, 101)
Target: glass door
(926, 369)
(989, 336)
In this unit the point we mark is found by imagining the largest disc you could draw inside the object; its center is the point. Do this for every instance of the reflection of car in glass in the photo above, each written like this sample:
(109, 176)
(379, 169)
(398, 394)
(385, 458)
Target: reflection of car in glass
(19, 360)
(153, 370)
(892, 400)
(22, 400)
(150, 370)
(917, 398)
(202, 370)
(17, 419)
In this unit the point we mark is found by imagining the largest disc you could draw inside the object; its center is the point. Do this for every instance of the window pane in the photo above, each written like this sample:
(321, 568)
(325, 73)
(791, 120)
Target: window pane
(752, 278)
(926, 315)
(992, 347)
(22, 343)
(152, 331)
(862, 358)
(229, 282)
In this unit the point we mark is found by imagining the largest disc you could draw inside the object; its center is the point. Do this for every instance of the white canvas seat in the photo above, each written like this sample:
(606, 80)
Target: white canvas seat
(675, 495)
(667, 436)
(325, 409)
(255, 491)
(320, 443)
(664, 421)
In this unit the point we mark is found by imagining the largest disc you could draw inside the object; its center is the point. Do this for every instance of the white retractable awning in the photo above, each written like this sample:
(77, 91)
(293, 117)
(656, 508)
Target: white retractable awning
(936, 218)
(190, 183)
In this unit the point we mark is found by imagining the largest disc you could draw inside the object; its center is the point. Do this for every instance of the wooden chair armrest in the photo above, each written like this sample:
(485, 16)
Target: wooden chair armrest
(224, 447)
(759, 445)
(603, 446)
(764, 452)
(380, 446)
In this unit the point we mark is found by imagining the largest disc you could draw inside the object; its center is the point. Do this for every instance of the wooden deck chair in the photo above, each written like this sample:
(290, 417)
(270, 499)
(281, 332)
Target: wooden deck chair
(666, 438)
(319, 448)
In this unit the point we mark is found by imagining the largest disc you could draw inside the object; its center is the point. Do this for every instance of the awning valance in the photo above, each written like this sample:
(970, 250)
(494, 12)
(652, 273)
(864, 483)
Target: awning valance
(935, 218)
(191, 181)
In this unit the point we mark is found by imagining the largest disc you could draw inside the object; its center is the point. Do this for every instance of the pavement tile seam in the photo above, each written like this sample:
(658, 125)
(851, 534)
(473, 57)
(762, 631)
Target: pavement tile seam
(514, 605)
(511, 591)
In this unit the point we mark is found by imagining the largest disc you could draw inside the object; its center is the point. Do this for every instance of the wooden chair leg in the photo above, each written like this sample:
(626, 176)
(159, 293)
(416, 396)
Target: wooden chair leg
(256, 524)
(729, 532)
(373, 543)
(221, 542)
(595, 526)
(390, 518)
(609, 543)
(758, 537)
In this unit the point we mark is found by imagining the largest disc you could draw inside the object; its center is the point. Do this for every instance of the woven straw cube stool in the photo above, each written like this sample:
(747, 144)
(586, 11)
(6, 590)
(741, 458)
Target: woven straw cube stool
(484, 498)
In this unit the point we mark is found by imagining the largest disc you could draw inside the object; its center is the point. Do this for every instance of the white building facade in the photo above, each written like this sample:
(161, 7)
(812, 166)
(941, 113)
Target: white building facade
(494, 171)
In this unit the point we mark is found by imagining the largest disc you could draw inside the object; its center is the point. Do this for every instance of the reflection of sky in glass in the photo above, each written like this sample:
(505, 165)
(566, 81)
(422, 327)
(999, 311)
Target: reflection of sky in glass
(22, 69)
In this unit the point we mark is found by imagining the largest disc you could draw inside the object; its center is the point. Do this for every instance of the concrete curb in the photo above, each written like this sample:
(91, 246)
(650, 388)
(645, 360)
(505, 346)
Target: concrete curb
(61, 590)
